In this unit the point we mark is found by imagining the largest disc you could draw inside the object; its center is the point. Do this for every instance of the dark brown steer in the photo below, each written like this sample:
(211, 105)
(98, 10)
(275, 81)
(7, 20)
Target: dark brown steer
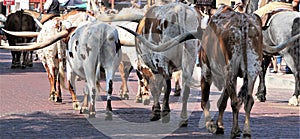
(231, 48)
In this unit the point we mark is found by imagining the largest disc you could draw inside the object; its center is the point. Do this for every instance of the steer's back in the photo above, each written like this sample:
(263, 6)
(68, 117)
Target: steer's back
(161, 24)
(92, 44)
(232, 45)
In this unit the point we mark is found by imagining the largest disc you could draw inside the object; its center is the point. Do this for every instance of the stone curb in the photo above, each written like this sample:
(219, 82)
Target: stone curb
(280, 81)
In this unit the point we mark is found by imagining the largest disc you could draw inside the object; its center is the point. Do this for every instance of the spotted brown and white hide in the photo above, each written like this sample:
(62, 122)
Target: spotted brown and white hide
(53, 56)
(231, 47)
(91, 47)
(160, 25)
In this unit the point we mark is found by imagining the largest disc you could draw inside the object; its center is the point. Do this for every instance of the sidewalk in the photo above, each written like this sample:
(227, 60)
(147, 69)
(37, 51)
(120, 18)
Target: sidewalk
(280, 80)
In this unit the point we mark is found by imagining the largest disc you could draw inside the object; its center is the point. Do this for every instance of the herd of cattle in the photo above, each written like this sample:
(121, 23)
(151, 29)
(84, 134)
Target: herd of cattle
(168, 37)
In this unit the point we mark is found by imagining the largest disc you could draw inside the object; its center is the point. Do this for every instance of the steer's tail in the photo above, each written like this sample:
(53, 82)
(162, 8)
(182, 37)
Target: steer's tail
(62, 74)
(61, 65)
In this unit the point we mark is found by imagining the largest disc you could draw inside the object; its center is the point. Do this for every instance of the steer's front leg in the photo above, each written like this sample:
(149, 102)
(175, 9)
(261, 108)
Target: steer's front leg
(156, 110)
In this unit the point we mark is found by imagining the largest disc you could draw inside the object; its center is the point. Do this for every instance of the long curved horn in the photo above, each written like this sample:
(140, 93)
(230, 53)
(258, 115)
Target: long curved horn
(116, 17)
(127, 43)
(22, 33)
(36, 46)
(167, 45)
(119, 17)
(275, 49)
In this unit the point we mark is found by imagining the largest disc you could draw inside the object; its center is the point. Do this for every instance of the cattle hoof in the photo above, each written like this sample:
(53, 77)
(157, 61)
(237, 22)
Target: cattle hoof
(138, 100)
(246, 136)
(260, 98)
(76, 106)
(211, 127)
(220, 130)
(84, 110)
(15, 65)
(52, 98)
(125, 96)
(23, 66)
(30, 64)
(92, 114)
(57, 99)
(235, 134)
(155, 117)
(177, 92)
(183, 123)
(146, 100)
(293, 101)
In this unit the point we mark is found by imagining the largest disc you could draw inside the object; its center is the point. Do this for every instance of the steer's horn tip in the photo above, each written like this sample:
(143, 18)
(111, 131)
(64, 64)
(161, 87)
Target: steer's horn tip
(130, 31)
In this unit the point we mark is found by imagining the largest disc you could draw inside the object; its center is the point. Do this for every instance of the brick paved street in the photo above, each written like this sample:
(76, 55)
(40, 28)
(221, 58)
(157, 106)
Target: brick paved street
(25, 111)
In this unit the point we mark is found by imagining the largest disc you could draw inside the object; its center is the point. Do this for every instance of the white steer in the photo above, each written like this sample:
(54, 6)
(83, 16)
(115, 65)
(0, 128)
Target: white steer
(160, 56)
(91, 47)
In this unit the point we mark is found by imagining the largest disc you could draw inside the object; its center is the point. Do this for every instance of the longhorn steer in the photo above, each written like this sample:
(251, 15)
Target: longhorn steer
(52, 58)
(282, 27)
(159, 58)
(231, 48)
(92, 46)
(19, 21)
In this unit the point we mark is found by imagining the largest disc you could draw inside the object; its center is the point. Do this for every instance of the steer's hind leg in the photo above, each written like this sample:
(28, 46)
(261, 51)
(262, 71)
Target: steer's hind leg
(72, 87)
(176, 76)
(92, 97)
(205, 104)
(30, 59)
(246, 94)
(51, 78)
(24, 58)
(295, 99)
(16, 63)
(91, 88)
(124, 70)
(185, 97)
(262, 90)
(109, 89)
(84, 107)
(222, 103)
(166, 107)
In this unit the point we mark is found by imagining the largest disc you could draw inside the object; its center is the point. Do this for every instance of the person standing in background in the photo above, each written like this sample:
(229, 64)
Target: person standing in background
(295, 4)
(52, 6)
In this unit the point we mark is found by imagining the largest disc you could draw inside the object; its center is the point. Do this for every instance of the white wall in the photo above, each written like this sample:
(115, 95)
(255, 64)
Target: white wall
(20, 4)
